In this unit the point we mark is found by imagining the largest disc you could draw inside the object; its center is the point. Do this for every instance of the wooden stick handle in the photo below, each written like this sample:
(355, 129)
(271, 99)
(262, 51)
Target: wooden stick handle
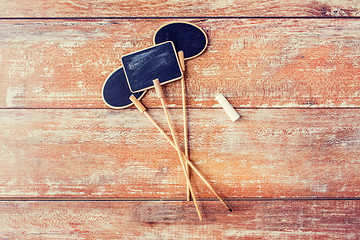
(141, 109)
(161, 96)
(188, 162)
(186, 159)
(158, 89)
(206, 183)
(137, 104)
(183, 93)
(181, 60)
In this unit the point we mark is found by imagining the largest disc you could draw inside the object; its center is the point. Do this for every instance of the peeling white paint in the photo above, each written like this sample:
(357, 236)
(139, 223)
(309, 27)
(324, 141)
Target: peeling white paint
(220, 4)
(210, 71)
(37, 90)
(13, 94)
(80, 84)
(238, 44)
(48, 72)
(76, 4)
(54, 192)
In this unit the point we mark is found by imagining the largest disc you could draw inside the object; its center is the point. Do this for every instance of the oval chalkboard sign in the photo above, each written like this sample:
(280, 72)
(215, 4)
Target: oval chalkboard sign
(116, 92)
(186, 37)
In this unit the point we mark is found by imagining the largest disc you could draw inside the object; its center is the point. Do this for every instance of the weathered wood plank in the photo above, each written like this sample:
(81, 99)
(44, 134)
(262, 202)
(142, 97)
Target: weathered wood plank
(255, 62)
(174, 8)
(109, 153)
(178, 220)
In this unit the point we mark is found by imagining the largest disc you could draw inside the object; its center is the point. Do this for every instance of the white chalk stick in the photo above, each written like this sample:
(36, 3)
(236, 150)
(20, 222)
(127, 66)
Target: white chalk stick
(227, 107)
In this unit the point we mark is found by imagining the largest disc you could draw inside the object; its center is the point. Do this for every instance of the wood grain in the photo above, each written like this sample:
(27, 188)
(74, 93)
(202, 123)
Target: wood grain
(118, 153)
(255, 62)
(72, 169)
(174, 8)
(177, 220)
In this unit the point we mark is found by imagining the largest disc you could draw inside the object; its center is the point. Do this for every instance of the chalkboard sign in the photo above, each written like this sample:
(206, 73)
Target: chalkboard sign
(116, 92)
(157, 62)
(186, 37)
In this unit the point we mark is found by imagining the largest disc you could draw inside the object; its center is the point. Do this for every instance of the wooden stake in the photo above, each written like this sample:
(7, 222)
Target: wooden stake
(183, 91)
(142, 109)
(161, 96)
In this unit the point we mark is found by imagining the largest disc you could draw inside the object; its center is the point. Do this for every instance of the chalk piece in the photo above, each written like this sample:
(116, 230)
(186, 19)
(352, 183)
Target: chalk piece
(227, 107)
(157, 62)
(186, 37)
(116, 92)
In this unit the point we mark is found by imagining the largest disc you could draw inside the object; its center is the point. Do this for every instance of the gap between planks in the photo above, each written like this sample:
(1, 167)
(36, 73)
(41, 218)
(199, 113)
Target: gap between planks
(59, 199)
(184, 17)
(194, 108)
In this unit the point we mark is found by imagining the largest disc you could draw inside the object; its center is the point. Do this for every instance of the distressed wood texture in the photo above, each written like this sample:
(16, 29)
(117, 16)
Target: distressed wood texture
(118, 153)
(70, 168)
(177, 220)
(175, 8)
(255, 62)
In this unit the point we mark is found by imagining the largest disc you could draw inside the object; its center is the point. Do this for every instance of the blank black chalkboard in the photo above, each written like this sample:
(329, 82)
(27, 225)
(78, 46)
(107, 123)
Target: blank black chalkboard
(116, 92)
(157, 62)
(186, 37)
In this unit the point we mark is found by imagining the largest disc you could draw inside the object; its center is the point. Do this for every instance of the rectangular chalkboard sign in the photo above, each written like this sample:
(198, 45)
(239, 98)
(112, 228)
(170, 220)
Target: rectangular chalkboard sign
(157, 62)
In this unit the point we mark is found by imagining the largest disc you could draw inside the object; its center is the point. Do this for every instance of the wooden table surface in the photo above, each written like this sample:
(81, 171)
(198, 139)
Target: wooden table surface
(71, 168)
